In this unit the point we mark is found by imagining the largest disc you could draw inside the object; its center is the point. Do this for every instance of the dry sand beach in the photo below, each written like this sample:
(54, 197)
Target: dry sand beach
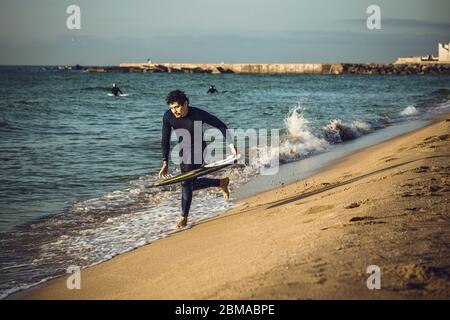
(387, 205)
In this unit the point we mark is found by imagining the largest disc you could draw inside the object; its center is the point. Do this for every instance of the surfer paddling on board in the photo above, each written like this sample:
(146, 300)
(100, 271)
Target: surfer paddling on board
(181, 117)
(115, 90)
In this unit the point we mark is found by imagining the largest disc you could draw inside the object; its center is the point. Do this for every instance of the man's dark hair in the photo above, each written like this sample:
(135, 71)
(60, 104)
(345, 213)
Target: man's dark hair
(177, 96)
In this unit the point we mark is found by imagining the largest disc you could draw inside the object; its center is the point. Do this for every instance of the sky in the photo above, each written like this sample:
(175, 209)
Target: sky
(34, 32)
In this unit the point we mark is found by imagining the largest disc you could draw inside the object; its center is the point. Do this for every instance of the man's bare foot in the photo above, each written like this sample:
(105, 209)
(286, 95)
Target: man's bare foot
(224, 186)
(182, 223)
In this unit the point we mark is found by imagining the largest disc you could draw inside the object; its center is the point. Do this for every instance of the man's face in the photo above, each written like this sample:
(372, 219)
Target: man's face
(179, 110)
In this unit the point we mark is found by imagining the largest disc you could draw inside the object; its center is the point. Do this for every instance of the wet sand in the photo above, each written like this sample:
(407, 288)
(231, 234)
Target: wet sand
(386, 205)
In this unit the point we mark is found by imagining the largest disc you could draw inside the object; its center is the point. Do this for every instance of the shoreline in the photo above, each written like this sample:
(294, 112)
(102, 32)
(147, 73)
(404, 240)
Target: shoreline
(154, 266)
(293, 171)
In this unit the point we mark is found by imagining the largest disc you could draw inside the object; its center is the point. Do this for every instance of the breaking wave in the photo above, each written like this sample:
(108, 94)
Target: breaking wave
(337, 131)
(409, 111)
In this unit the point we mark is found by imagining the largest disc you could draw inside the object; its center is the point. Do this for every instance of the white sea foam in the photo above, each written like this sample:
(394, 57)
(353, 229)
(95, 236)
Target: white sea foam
(298, 142)
(13, 290)
(409, 111)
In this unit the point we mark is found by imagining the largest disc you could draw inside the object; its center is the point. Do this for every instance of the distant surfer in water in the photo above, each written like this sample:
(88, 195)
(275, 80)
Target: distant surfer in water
(182, 116)
(115, 90)
(212, 89)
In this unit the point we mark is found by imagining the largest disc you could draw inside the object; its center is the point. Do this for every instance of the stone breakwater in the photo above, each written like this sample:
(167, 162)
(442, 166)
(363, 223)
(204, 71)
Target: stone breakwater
(281, 68)
(395, 69)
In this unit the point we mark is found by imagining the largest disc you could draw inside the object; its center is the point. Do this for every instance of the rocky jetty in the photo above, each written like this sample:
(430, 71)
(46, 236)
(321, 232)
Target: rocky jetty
(395, 69)
(337, 68)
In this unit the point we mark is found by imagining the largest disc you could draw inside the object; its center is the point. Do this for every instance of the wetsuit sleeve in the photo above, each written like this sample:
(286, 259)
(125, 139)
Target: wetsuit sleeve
(165, 141)
(217, 123)
(119, 91)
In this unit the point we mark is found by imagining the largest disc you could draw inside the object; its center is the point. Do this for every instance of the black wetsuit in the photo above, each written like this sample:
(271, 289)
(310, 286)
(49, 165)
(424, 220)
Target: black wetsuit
(115, 91)
(187, 123)
(190, 162)
(212, 90)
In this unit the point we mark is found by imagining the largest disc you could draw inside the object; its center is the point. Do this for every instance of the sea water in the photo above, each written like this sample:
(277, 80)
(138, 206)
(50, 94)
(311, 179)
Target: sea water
(75, 162)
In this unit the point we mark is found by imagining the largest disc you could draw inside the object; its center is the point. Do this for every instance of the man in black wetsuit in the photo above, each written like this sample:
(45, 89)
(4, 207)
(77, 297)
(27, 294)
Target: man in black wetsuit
(212, 89)
(115, 90)
(183, 117)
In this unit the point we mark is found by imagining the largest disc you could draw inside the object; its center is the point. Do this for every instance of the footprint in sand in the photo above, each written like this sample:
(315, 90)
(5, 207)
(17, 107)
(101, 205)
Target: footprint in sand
(352, 205)
(362, 218)
(429, 138)
(435, 188)
(418, 277)
(358, 203)
(422, 169)
(407, 194)
(317, 209)
(411, 210)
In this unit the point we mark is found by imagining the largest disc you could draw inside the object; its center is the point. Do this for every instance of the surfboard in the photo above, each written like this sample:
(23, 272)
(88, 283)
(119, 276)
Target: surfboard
(228, 160)
(120, 95)
(203, 170)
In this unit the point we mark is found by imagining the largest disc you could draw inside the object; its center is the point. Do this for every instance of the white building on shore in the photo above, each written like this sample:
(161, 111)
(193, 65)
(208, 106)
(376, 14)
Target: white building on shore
(443, 57)
(444, 52)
